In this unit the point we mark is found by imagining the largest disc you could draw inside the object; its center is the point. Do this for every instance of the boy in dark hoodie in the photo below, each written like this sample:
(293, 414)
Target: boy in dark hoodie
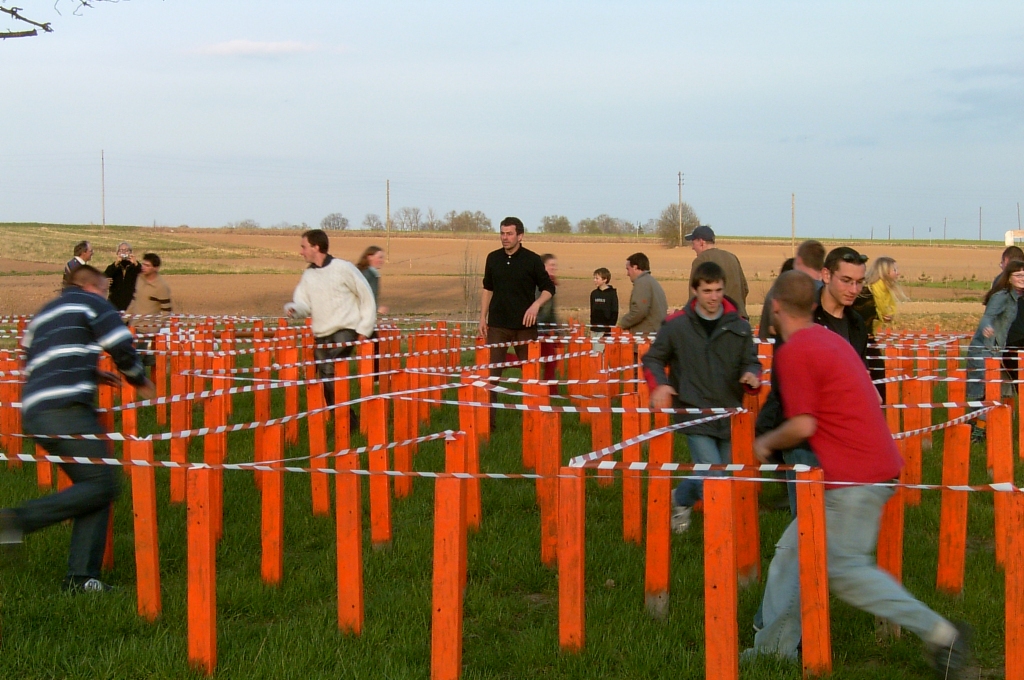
(604, 303)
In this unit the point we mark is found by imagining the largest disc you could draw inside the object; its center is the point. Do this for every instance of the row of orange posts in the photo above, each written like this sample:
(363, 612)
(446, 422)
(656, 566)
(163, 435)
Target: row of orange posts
(412, 368)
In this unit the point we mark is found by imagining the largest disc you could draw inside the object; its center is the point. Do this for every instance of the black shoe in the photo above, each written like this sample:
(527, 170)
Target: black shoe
(950, 661)
(85, 584)
(11, 533)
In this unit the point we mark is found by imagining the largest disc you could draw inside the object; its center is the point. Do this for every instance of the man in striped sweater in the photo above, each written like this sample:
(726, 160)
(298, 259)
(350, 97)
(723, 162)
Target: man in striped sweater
(62, 348)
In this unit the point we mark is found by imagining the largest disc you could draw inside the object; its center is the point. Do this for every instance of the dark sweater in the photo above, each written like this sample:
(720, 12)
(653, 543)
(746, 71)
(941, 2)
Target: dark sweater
(604, 309)
(63, 345)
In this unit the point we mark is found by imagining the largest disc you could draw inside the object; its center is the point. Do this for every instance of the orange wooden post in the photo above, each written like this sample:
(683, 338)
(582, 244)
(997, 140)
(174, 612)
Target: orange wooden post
(748, 534)
(290, 357)
(813, 556)
(129, 422)
(600, 423)
(889, 553)
(999, 437)
(765, 354)
(993, 392)
(913, 419)
(956, 389)
(549, 459)
(446, 619)
(320, 486)
(402, 431)
(161, 344)
(214, 452)
(342, 419)
(179, 422)
(531, 419)
(272, 510)
(483, 415)
(349, 508)
(44, 469)
(366, 351)
(1014, 584)
(202, 572)
(721, 631)
(423, 361)
(467, 423)
(632, 497)
(571, 558)
(656, 572)
(147, 555)
(892, 389)
(956, 460)
(455, 461)
(375, 414)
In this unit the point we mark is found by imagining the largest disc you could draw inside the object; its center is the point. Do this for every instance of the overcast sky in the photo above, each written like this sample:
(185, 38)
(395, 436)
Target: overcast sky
(873, 114)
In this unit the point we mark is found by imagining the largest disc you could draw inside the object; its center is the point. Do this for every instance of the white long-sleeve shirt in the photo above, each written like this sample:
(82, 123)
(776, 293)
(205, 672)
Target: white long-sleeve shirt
(337, 296)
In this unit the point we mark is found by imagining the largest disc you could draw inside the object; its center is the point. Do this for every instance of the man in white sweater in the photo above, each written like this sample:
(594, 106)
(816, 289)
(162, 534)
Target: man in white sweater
(335, 294)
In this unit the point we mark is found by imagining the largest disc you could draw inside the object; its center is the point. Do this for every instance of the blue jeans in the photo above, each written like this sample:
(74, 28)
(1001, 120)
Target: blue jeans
(703, 449)
(88, 500)
(798, 456)
(852, 517)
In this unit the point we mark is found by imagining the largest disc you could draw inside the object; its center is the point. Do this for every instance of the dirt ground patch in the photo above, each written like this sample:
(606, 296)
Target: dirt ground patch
(424, 276)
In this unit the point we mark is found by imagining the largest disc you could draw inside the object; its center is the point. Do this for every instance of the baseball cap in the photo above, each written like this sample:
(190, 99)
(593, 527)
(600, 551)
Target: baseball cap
(703, 232)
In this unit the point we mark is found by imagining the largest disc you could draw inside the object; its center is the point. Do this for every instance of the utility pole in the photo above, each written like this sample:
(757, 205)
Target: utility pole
(679, 210)
(1018, 215)
(792, 222)
(890, 232)
(103, 188)
(387, 216)
(943, 228)
(913, 230)
(979, 222)
(872, 232)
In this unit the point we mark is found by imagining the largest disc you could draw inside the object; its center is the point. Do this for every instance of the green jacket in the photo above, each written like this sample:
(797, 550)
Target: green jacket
(648, 306)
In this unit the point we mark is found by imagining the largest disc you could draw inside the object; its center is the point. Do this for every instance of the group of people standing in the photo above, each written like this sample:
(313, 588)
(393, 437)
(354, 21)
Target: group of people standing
(134, 286)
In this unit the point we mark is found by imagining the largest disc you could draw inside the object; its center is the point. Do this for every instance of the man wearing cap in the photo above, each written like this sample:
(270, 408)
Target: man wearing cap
(702, 240)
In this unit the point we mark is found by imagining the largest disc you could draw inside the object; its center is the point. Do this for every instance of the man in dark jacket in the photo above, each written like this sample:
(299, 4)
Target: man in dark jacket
(709, 349)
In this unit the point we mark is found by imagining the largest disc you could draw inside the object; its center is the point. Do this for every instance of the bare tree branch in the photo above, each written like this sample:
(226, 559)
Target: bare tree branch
(15, 13)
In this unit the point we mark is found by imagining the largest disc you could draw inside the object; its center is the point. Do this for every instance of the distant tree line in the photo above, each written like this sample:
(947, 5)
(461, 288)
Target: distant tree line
(666, 227)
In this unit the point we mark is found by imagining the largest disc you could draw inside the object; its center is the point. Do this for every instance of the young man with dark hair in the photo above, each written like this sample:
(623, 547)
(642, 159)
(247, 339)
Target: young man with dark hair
(702, 240)
(152, 294)
(1010, 253)
(510, 303)
(843, 275)
(336, 295)
(709, 349)
(647, 303)
(604, 303)
(809, 259)
(829, 400)
(62, 348)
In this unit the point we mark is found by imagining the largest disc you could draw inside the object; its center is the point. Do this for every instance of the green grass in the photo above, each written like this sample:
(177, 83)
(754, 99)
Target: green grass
(511, 623)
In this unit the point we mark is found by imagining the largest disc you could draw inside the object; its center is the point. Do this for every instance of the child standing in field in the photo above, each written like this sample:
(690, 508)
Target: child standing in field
(604, 304)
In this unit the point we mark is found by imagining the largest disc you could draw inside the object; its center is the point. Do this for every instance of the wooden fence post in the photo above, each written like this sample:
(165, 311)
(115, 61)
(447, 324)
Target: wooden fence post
(375, 416)
(202, 572)
(571, 558)
(147, 555)
(813, 549)
(721, 631)
(446, 620)
(272, 516)
(956, 460)
(349, 508)
(656, 572)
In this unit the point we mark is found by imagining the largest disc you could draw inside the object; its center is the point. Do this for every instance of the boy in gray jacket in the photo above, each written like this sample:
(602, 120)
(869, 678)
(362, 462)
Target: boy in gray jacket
(709, 350)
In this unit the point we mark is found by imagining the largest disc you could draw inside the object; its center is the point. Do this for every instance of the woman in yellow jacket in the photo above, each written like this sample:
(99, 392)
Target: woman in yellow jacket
(883, 280)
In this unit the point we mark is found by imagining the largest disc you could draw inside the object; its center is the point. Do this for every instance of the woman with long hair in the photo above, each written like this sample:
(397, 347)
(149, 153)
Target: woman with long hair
(883, 281)
(1002, 324)
(369, 264)
(547, 321)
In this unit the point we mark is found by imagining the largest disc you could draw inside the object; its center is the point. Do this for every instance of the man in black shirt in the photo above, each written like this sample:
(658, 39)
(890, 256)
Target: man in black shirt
(122, 272)
(843, 276)
(509, 303)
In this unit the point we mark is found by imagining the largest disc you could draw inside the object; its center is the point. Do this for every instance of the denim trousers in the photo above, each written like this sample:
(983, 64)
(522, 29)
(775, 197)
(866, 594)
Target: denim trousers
(852, 517)
(797, 456)
(87, 501)
(325, 357)
(703, 449)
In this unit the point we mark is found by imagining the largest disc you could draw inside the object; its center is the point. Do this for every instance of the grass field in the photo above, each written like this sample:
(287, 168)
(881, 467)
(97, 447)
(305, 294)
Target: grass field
(511, 625)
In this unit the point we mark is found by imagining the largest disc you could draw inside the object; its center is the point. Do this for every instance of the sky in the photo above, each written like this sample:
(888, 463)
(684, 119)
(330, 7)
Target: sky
(876, 115)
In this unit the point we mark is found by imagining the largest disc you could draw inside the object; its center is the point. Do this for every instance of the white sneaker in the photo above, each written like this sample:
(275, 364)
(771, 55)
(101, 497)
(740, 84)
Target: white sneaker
(680, 517)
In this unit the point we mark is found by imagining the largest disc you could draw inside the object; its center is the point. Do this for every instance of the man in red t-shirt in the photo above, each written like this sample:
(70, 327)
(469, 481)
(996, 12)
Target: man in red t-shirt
(829, 400)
